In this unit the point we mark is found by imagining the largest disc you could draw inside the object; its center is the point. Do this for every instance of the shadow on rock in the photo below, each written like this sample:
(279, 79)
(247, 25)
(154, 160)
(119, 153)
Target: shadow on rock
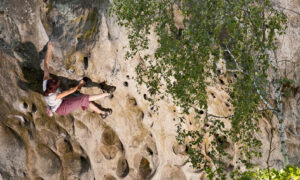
(34, 74)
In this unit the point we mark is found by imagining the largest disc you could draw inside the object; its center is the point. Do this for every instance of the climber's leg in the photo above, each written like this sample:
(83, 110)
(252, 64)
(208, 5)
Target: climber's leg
(98, 96)
(96, 109)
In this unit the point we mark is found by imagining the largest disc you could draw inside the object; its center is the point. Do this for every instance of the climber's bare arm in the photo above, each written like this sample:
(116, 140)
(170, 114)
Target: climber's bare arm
(70, 91)
(46, 62)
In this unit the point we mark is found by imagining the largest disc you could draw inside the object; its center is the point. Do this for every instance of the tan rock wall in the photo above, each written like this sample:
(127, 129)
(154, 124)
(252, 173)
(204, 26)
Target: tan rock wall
(134, 142)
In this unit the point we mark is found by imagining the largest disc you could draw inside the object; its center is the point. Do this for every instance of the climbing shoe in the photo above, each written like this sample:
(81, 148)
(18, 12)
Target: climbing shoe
(112, 90)
(107, 88)
(107, 113)
(88, 82)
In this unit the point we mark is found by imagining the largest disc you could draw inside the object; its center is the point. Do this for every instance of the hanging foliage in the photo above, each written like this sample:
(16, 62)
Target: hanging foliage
(240, 33)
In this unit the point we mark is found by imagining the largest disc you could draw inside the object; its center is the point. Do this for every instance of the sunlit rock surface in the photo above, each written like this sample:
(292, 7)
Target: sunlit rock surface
(135, 142)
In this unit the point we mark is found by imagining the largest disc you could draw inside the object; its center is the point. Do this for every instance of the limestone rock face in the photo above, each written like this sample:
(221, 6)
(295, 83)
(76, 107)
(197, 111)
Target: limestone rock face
(12, 154)
(134, 142)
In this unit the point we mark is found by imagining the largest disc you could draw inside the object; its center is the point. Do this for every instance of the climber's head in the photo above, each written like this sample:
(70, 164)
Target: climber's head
(52, 85)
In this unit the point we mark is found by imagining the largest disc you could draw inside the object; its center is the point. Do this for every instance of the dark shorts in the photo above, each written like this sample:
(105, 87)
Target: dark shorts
(71, 104)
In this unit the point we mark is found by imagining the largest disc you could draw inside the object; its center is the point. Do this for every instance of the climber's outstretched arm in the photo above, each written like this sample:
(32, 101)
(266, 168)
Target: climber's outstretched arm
(70, 91)
(46, 62)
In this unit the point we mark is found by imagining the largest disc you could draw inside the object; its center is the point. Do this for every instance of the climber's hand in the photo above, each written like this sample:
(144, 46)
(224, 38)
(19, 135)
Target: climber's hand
(50, 45)
(81, 83)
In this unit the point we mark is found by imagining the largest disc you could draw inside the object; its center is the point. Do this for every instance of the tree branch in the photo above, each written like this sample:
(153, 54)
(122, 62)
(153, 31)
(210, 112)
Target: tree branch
(215, 116)
(237, 65)
(270, 151)
(262, 98)
(298, 13)
(279, 107)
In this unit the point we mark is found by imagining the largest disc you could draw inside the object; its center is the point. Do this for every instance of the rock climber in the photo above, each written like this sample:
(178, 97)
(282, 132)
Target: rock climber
(56, 100)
